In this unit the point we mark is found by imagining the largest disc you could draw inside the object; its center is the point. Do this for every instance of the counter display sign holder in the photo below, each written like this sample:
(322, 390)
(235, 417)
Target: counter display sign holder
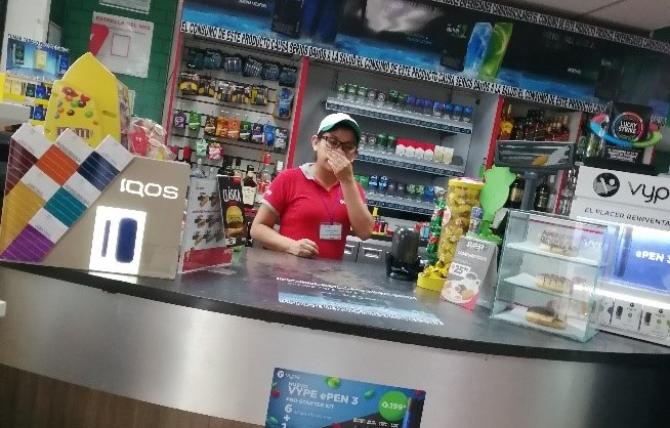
(232, 210)
(472, 273)
(203, 244)
(307, 400)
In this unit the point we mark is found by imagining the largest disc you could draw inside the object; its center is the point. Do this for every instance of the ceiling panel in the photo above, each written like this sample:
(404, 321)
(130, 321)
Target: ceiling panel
(642, 14)
(566, 7)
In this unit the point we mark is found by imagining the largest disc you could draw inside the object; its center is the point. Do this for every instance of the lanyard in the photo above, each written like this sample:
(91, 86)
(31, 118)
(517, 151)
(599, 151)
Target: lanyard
(329, 207)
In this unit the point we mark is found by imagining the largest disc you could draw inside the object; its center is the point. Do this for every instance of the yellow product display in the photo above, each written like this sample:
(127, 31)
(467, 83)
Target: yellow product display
(433, 277)
(462, 196)
(90, 101)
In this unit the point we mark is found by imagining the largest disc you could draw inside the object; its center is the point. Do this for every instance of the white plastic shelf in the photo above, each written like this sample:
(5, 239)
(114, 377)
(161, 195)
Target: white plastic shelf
(397, 116)
(399, 204)
(395, 161)
(527, 247)
(574, 327)
(580, 293)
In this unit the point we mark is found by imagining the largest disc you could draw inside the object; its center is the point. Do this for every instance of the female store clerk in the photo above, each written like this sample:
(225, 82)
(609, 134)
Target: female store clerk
(317, 204)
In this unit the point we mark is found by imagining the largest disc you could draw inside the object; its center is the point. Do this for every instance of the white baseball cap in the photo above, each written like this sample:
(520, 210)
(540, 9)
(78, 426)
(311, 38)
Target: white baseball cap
(332, 120)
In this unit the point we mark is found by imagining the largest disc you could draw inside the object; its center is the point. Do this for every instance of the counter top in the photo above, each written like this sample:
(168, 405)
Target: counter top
(356, 299)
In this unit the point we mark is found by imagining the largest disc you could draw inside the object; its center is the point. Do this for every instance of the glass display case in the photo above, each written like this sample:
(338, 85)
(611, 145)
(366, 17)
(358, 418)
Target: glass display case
(634, 294)
(549, 271)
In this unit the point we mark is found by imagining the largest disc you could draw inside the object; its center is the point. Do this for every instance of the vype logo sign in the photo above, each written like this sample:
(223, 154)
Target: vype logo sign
(149, 190)
(651, 194)
(607, 185)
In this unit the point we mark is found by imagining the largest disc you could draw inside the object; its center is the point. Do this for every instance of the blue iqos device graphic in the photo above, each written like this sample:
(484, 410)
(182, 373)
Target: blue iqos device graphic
(118, 235)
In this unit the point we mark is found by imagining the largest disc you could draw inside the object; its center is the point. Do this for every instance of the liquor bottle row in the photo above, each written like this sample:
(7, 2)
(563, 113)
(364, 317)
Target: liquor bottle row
(535, 126)
(540, 200)
(254, 183)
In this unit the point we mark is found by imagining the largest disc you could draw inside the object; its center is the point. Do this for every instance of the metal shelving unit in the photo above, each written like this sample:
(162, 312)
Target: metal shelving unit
(230, 142)
(395, 161)
(406, 118)
(398, 204)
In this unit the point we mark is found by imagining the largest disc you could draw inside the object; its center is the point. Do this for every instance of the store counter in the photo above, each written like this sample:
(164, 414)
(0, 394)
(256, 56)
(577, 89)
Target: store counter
(208, 343)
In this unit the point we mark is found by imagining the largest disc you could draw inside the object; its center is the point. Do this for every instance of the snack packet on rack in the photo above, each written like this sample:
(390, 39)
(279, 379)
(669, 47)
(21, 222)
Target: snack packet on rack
(146, 138)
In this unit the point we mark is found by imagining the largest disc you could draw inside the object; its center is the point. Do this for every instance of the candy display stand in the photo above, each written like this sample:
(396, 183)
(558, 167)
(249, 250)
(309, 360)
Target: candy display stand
(462, 196)
(90, 101)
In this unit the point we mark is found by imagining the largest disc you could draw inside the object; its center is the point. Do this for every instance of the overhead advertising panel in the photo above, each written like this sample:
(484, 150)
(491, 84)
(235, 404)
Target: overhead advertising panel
(437, 37)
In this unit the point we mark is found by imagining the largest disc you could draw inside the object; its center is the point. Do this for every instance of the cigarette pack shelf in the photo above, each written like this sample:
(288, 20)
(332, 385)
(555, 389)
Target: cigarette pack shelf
(400, 204)
(414, 134)
(549, 271)
(397, 116)
(429, 167)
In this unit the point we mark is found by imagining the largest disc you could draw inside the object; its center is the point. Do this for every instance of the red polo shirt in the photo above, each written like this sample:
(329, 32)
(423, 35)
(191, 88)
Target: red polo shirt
(303, 205)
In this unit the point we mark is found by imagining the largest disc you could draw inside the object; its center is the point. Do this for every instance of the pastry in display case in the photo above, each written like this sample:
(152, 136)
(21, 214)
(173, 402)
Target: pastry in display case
(549, 271)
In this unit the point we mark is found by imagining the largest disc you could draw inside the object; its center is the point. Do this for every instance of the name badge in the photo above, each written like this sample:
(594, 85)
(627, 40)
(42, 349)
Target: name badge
(330, 232)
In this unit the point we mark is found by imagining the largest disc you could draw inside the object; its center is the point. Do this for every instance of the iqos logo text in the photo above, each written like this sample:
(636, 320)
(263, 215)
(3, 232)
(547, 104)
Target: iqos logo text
(151, 190)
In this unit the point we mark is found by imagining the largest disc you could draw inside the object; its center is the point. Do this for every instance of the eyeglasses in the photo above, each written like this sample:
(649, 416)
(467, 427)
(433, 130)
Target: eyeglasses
(347, 146)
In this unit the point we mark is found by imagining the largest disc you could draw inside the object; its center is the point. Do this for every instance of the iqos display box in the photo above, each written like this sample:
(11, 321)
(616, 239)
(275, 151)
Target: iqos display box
(101, 209)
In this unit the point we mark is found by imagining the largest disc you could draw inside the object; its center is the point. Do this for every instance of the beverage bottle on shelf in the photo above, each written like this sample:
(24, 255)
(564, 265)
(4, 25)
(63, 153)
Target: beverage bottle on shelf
(237, 168)
(540, 127)
(556, 129)
(542, 196)
(516, 193)
(550, 134)
(278, 169)
(529, 127)
(568, 193)
(263, 179)
(228, 168)
(565, 129)
(517, 130)
(593, 148)
(506, 124)
(249, 188)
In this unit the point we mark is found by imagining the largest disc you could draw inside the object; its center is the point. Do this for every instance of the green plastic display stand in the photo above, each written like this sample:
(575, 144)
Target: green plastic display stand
(493, 197)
